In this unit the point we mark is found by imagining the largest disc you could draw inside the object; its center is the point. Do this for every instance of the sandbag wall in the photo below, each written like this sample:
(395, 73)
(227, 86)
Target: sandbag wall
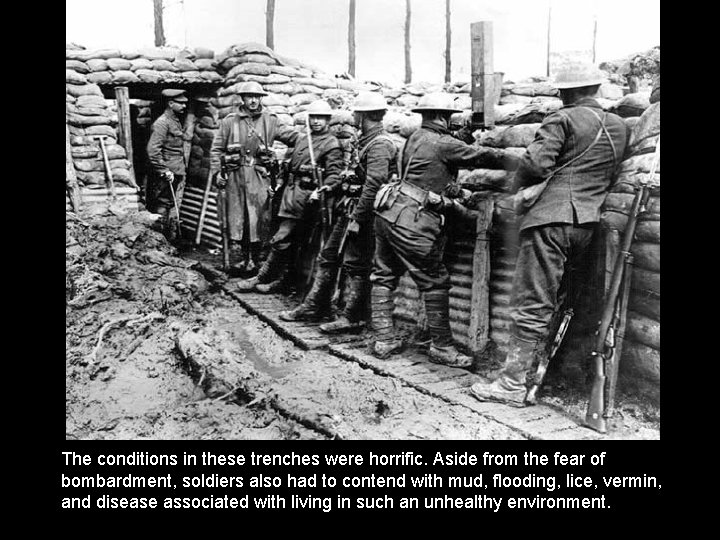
(640, 361)
(88, 116)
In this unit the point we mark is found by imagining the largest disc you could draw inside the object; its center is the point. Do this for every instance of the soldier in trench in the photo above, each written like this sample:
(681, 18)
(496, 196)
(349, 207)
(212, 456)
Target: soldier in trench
(410, 225)
(375, 162)
(167, 159)
(244, 140)
(578, 148)
(299, 206)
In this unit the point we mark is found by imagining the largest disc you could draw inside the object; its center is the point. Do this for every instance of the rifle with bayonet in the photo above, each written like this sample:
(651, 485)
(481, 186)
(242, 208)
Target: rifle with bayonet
(223, 211)
(606, 354)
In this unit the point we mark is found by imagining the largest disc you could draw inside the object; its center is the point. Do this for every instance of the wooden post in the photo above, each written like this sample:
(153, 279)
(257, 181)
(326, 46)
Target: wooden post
(71, 184)
(351, 39)
(547, 65)
(594, 38)
(482, 90)
(189, 130)
(480, 294)
(448, 42)
(122, 97)
(408, 67)
(269, 24)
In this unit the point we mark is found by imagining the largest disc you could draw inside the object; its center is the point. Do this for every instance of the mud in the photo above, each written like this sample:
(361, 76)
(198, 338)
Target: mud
(156, 351)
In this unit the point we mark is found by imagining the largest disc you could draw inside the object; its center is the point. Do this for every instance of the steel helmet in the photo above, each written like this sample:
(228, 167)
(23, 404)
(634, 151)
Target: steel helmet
(436, 101)
(369, 101)
(577, 75)
(251, 87)
(319, 107)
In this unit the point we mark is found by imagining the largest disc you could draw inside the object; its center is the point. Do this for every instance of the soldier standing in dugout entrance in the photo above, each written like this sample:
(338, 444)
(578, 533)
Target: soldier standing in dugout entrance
(167, 159)
(298, 208)
(578, 148)
(373, 166)
(409, 225)
(244, 142)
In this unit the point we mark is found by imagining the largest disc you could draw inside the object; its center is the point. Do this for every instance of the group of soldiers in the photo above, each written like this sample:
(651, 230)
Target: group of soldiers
(385, 213)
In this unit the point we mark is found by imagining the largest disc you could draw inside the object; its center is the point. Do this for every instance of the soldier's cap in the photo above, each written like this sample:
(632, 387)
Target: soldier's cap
(174, 94)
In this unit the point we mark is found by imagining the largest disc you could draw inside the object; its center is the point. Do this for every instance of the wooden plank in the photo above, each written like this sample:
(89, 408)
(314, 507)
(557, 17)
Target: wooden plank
(122, 97)
(480, 303)
(482, 72)
(71, 185)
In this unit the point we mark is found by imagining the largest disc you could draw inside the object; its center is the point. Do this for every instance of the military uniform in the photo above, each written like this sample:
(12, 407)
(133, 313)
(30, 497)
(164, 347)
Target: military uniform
(409, 228)
(244, 141)
(297, 213)
(165, 151)
(376, 157)
(578, 148)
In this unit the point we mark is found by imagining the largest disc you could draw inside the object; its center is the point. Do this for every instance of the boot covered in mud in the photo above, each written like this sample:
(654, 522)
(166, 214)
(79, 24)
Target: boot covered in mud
(382, 306)
(442, 350)
(510, 386)
(273, 267)
(317, 302)
(353, 316)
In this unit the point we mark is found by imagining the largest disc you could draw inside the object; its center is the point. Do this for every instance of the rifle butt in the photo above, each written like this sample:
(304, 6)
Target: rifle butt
(594, 417)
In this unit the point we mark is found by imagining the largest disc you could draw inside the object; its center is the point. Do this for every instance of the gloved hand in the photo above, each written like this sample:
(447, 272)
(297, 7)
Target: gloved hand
(168, 176)
(353, 227)
(220, 181)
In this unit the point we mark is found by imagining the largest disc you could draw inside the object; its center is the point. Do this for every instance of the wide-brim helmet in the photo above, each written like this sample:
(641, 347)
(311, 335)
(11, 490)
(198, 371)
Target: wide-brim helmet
(319, 107)
(251, 88)
(436, 101)
(369, 101)
(577, 75)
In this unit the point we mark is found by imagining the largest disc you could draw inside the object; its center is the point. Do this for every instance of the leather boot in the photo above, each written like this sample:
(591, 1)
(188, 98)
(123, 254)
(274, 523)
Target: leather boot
(271, 268)
(442, 350)
(317, 302)
(278, 284)
(353, 317)
(382, 322)
(510, 387)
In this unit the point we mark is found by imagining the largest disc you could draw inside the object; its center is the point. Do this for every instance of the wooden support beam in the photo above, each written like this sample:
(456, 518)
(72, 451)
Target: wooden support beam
(482, 90)
(479, 331)
(122, 97)
(351, 38)
(71, 184)
(189, 130)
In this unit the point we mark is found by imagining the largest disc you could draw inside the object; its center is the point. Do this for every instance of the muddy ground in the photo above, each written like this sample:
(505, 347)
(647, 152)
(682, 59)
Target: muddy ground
(155, 349)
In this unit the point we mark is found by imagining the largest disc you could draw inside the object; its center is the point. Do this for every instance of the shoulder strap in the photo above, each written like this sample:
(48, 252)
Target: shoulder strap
(593, 143)
(607, 134)
(381, 137)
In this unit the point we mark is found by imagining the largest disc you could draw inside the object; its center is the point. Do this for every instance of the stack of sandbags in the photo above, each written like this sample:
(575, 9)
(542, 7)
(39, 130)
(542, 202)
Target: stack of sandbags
(206, 124)
(160, 65)
(640, 365)
(88, 116)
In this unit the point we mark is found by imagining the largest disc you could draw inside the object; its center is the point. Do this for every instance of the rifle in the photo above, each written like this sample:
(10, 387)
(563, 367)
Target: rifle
(545, 361)
(224, 223)
(604, 354)
(318, 179)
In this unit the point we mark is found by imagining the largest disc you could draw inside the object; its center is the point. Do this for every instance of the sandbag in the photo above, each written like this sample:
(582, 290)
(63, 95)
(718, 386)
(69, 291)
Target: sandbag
(77, 66)
(410, 124)
(320, 83)
(645, 282)
(115, 151)
(655, 94)
(515, 99)
(610, 91)
(210, 76)
(285, 119)
(107, 131)
(285, 70)
(124, 77)
(632, 104)
(355, 87)
(463, 102)
(202, 53)
(648, 231)
(93, 178)
(84, 152)
(84, 121)
(646, 255)
(89, 111)
(642, 329)
(91, 101)
(73, 77)
(160, 64)
(392, 93)
(119, 64)
(183, 64)
(102, 54)
(148, 75)
(100, 77)
(494, 178)
(311, 89)
(392, 121)
(97, 65)
(646, 303)
(141, 63)
(70, 99)
(505, 113)
(340, 116)
(407, 100)
(277, 100)
(622, 203)
(250, 68)
(647, 126)
(302, 99)
(204, 64)
(640, 362)
(133, 54)
(159, 53)
(285, 88)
